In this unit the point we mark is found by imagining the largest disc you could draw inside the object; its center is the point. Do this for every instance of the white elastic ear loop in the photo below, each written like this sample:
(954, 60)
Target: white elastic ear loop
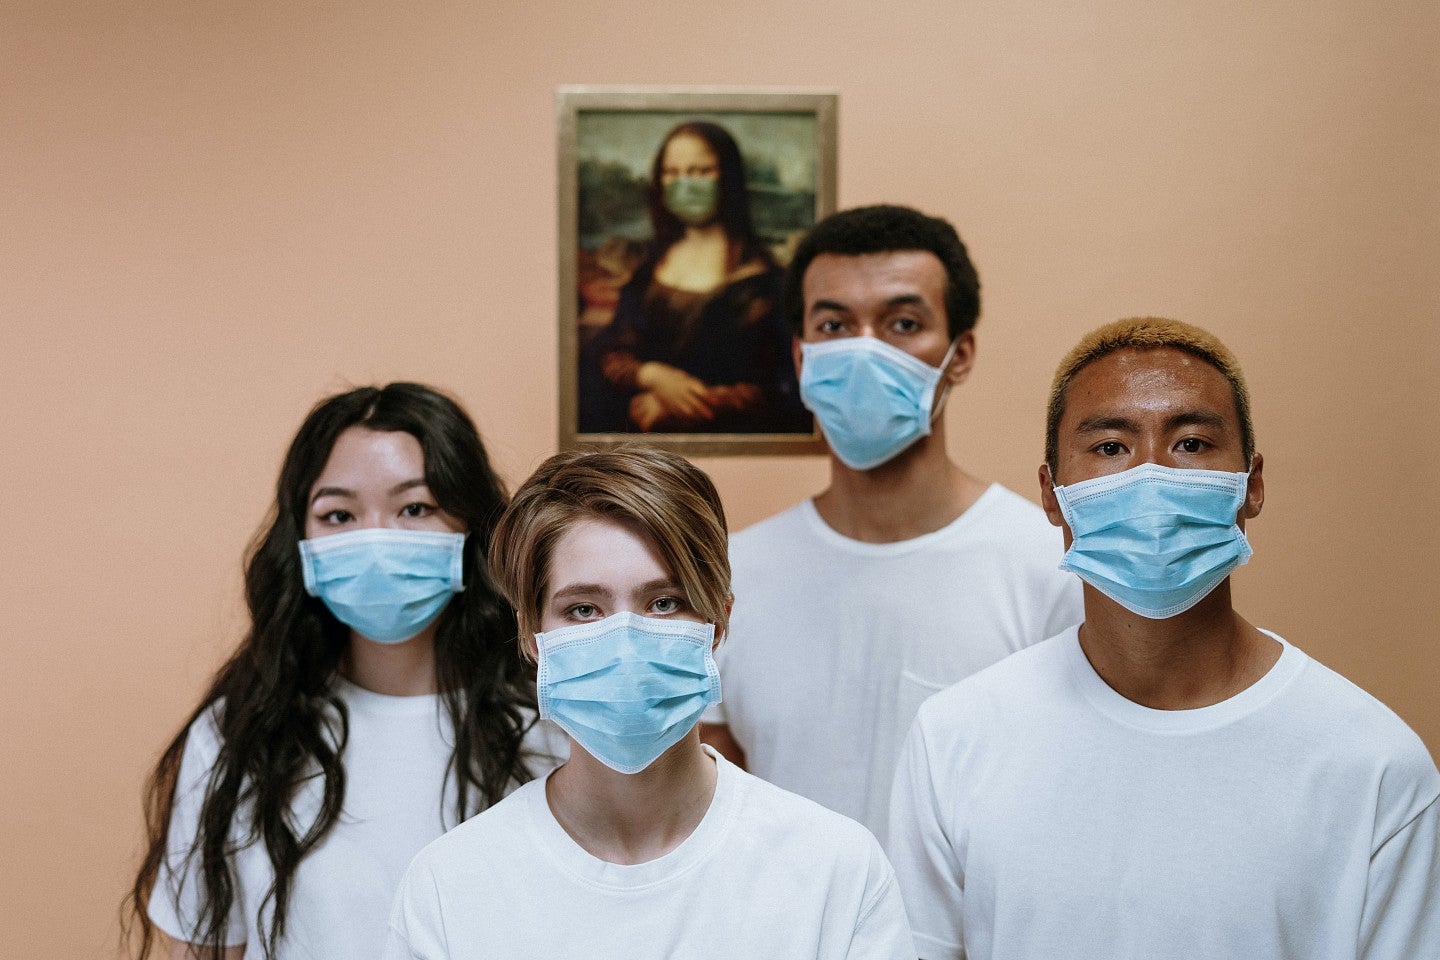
(937, 402)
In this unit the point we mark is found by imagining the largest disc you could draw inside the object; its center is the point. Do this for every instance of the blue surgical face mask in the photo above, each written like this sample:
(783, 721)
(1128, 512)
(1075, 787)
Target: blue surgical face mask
(384, 584)
(872, 400)
(1155, 539)
(627, 688)
(693, 199)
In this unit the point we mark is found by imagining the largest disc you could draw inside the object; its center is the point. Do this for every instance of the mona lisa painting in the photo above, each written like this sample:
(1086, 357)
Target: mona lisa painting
(679, 210)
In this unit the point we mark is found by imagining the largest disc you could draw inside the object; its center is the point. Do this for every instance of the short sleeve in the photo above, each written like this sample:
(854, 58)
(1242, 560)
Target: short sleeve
(882, 932)
(416, 929)
(176, 902)
(1401, 919)
(926, 867)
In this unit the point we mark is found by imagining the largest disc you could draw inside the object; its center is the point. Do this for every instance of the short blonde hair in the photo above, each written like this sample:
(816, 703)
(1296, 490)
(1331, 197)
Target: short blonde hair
(1146, 333)
(670, 499)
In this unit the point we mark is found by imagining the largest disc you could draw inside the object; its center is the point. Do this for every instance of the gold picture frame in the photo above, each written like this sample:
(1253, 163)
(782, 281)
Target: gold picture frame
(646, 350)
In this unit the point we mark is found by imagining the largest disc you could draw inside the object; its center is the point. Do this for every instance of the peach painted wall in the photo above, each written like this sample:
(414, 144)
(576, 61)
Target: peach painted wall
(213, 213)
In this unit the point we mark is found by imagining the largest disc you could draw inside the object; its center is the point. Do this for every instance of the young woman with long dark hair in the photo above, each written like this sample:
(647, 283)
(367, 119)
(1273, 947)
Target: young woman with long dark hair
(376, 700)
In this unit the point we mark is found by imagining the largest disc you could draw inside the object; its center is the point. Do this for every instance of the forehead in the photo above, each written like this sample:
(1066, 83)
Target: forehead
(1161, 381)
(867, 278)
(687, 148)
(362, 456)
(607, 552)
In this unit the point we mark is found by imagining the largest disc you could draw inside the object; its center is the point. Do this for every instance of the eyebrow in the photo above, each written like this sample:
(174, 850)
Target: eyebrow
(1190, 418)
(399, 488)
(598, 590)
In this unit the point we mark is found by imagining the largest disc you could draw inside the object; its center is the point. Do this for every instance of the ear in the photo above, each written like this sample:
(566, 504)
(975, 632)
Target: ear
(961, 360)
(528, 647)
(1048, 501)
(795, 355)
(1254, 491)
(729, 605)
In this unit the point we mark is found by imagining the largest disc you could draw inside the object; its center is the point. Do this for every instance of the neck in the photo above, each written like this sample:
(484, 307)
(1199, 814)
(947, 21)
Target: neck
(633, 818)
(711, 231)
(394, 669)
(918, 492)
(1195, 659)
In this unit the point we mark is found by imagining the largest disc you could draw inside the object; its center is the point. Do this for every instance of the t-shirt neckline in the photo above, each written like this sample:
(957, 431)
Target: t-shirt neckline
(357, 696)
(584, 866)
(837, 540)
(1107, 701)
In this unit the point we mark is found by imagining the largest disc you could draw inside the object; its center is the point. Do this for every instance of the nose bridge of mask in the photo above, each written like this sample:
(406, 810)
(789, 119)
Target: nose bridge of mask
(625, 646)
(397, 553)
(1155, 491)
(852, 347)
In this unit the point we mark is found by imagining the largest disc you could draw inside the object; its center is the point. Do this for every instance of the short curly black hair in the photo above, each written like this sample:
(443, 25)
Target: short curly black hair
(884, 228)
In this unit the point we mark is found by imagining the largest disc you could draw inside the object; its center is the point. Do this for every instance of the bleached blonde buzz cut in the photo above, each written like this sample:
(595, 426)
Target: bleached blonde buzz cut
(1146, 333)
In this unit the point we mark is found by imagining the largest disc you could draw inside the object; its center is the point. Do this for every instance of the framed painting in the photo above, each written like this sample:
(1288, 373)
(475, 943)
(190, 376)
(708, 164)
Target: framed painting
(679, 209)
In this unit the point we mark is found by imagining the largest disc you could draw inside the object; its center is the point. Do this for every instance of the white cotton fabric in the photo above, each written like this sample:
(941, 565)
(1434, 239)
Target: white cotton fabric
(766, 874)
(834, 643)
(395, 764)
(1037, 813)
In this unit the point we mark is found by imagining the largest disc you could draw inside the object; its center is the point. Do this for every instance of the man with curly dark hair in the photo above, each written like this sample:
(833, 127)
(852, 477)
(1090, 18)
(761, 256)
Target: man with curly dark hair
(907, 573)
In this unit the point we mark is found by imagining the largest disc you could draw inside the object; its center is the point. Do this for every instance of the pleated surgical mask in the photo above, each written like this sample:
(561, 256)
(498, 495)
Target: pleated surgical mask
(1155, 539)
(627, 688)
(872, 400)
(384, 584)
(693, 199)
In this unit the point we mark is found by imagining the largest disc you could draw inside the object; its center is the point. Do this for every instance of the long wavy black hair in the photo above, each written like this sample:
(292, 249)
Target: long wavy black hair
(279, 720)
(733, 203)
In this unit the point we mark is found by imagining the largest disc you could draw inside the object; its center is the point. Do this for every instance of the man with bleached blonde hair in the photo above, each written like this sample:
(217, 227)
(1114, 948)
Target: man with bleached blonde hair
(1165, 780)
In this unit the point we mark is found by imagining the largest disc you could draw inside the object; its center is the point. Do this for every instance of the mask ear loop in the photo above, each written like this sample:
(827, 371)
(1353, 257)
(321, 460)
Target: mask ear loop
(938, 404)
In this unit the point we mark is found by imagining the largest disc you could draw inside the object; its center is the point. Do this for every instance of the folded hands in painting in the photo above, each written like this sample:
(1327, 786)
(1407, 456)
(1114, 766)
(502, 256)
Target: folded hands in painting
(671, 399)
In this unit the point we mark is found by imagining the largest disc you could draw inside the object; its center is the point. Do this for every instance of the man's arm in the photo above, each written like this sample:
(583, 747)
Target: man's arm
(1401, 920)
(919, 847)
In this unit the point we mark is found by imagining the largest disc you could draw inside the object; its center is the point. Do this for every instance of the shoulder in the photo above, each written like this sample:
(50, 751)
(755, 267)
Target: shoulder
(1002, 513)
(785, 821)
(495, 836)
(1355, 720)
(1035, 675)
(774, 532)
(203, 737)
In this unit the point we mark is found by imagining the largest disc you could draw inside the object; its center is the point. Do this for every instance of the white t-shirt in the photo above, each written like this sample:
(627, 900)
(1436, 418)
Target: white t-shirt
(395, 764)
(834, 643)
(1038, 813)
(765, 874)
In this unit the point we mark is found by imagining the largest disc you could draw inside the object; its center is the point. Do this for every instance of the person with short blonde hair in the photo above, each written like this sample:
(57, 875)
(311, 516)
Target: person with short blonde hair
(1165, 780)
(666, 496)
(644, 844)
